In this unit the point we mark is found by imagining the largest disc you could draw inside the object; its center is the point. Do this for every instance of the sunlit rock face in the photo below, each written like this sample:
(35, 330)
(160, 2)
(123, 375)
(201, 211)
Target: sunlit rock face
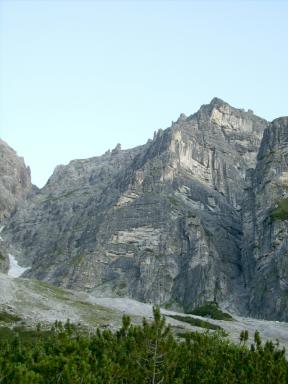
(161, 223)
(265, 225)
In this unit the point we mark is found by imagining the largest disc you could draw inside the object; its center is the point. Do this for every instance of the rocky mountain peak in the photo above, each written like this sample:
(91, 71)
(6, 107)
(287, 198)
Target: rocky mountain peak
(280, 122)
(117, 149)
(182, 117)
(216, 101)
(231, 120)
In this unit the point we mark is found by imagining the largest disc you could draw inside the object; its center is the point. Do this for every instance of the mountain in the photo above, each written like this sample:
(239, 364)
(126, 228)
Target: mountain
(176, 221)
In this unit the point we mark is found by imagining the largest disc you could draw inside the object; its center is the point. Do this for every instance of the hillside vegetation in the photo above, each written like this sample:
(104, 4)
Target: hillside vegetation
(135, 354)
(211, 309)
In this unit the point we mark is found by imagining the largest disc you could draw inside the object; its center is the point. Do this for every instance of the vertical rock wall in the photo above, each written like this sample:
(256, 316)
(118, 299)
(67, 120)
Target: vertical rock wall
(265, 215)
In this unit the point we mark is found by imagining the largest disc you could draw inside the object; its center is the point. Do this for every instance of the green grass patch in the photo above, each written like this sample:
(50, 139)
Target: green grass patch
(51, 290)
(173, 200)
(281, 212)
(196, 322)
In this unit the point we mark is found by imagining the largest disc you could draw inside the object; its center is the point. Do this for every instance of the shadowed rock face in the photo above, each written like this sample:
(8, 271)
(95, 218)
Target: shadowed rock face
(161, 222)
(15, 184)
(4, 259)
(15, 181)
(265, 226)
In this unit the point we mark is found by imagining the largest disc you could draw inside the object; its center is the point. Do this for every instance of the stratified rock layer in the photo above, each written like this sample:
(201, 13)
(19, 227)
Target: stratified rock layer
(161, 222)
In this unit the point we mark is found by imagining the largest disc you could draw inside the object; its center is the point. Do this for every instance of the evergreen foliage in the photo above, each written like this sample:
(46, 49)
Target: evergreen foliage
(196, 322)
(136, 354)
(211, 309)
(281, 212)
(7, 317)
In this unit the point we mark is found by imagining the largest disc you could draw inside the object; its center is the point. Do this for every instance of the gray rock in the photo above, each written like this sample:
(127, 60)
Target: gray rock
(4, 259)
(265, 245)
(15, 186)
(15, 180)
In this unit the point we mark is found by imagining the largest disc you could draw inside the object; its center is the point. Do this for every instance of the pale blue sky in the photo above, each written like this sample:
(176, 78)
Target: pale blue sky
(77, 77)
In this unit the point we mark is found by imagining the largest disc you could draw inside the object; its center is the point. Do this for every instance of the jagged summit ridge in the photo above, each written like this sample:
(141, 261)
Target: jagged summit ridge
(162, 222)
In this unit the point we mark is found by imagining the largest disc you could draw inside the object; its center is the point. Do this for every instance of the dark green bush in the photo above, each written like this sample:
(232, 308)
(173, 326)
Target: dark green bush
(281, 212)
(211, 309)
(196, 322)
(8, 317)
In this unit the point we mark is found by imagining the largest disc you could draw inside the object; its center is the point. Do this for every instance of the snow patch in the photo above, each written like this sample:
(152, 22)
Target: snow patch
(15, 270)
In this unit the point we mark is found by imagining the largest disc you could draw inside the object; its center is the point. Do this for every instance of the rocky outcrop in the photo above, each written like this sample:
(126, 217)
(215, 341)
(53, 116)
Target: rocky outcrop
(15, 180)
(161, 222)
(15, 185)
(265, 225)
(4, 259)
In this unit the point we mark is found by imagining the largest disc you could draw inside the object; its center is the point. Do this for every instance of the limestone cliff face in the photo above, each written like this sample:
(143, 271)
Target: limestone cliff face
(161, 222)
(265, 225)
(15, 180)
(15, 184)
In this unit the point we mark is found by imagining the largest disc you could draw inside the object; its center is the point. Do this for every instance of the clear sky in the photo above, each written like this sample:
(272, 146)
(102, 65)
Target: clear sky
(77, 77)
